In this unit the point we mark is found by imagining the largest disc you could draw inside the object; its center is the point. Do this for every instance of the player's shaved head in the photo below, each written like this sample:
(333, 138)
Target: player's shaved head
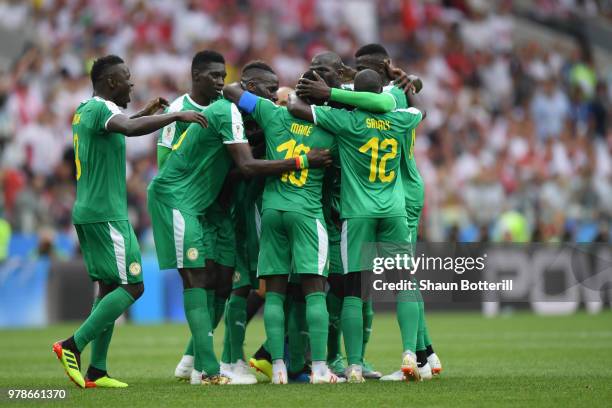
(259, 78)
(328, 58)
(368, 80)
(111, 79)
(103, 66)
(329, 65)
(256, 69)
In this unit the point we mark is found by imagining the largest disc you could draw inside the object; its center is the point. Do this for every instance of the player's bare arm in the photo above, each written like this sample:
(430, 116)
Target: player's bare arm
(147, 124)
(151, 108)
(249, 166)
(300, 109)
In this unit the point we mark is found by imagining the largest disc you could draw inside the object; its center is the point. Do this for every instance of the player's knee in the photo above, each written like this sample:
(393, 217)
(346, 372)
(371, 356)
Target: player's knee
(242, 292)
(352, 285)
(336, 285)
(135, 290)
(277, 284)
(224, 284)
(312, 284)
(294, 291)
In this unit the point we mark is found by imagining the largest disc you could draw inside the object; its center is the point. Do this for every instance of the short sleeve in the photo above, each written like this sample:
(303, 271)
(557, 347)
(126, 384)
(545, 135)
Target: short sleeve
(264, 112)
(411, 117)
(167, 135)
(232, 128)
(107, 111)
(330, 119)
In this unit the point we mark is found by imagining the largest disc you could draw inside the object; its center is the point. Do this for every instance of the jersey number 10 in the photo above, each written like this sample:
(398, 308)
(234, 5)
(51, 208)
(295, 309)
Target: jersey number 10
(77, 162)
(294, 150)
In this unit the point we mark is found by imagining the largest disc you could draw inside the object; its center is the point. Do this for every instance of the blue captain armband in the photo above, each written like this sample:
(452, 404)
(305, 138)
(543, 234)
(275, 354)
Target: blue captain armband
(247, 102)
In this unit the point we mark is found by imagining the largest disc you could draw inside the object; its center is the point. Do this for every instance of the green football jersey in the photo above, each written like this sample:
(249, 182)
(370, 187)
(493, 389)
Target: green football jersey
(287, 137)
(414, 191)
(170, 134)
(331, 199)
(194, 173)
(370, 155)
(99, 157)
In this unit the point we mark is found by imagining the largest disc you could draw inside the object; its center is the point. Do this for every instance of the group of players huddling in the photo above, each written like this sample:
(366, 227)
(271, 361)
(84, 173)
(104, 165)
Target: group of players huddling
(276, 212)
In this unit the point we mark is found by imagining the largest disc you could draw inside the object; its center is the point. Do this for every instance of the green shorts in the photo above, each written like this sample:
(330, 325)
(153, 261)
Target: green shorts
(359, 236)
(253, 232)
(292, 243)
(111, 252)
(243, 277)
(335, 260)
(243, 274)
(223, 240)
(179, 237)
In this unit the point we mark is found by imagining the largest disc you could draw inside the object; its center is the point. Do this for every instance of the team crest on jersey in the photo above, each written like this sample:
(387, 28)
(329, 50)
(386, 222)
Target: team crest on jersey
(135, 269)
(192, 254)
(236, 277)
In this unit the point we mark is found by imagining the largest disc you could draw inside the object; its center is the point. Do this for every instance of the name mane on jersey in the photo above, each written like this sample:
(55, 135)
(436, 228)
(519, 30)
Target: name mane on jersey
(300, 129)
(379, 124)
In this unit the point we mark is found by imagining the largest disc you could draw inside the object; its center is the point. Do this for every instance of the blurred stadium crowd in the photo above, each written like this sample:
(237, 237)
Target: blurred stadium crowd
(516, 133)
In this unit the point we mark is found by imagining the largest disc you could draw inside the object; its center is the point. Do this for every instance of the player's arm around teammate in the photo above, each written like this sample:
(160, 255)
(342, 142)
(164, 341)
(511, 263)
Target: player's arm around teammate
(293, 238)
(108, 243)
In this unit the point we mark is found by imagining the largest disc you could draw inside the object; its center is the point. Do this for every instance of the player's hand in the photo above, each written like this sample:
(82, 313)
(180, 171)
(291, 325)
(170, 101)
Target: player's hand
(348, 73)
(154, 105)
(319, 158)
(192, 117)
(409, 84)
(317, 89)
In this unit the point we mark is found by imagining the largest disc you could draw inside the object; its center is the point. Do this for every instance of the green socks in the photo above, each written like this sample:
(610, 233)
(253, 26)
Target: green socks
(408, 318)
(274, 322)
(189, 349)
(368, 317)
(352, 328)
(334, 307)
(105, 313)
(236, 326)
(318, 325)
(210, 303)
(226, 356)
(420, 343)
(196, 311)
(296, 325)
(99, 345)
(219, 309)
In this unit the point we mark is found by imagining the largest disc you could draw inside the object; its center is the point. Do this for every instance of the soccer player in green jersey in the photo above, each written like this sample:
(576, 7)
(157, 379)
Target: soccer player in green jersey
(374, 56)
(371, 206)
(181, 193)
(293, 236)
(330, 67)
(207, 77)
(260, 79)
(107, 240)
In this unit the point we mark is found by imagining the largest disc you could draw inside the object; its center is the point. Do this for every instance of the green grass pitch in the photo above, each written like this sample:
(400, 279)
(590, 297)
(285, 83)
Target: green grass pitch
(518, 360)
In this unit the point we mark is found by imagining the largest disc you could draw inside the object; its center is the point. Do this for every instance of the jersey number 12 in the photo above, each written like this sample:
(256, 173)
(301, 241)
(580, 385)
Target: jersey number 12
(377, 168)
